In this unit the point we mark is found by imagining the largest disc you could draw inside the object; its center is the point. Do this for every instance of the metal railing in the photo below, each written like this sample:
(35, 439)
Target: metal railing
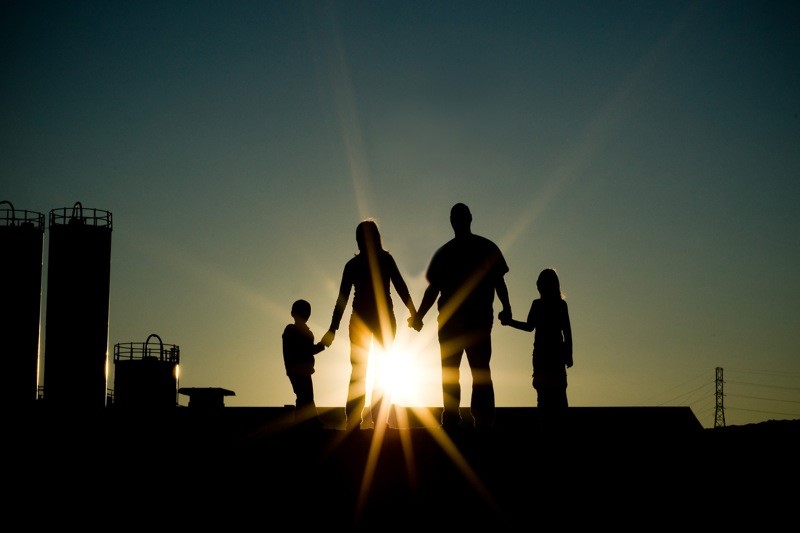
(20, 217)
(78, 215)
(169, 353)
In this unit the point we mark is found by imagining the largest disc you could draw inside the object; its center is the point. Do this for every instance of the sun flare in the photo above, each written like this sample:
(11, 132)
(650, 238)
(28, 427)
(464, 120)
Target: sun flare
(398, 373)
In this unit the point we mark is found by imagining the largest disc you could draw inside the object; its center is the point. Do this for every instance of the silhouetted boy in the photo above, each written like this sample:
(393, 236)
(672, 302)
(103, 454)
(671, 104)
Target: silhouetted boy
(299, 350)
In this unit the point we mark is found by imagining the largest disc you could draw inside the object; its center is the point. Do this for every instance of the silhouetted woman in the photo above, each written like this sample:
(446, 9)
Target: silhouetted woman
(371, 273)
(552, 343)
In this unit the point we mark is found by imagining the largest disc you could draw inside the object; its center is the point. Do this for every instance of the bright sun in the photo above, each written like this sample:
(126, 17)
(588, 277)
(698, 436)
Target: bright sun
(399, 373)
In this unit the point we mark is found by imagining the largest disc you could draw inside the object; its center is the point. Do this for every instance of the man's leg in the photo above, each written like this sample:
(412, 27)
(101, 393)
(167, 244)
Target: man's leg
(451, 351)
(482, 406)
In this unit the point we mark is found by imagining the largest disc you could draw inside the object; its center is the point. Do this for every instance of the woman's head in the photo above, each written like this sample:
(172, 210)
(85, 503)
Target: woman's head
(367, 235)
(548, 284)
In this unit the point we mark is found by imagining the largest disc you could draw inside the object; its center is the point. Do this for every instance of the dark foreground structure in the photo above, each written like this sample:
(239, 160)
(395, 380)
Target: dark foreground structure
(252, 469)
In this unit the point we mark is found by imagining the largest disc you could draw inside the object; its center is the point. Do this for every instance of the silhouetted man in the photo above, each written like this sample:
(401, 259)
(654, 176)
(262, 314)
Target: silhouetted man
(464, 274)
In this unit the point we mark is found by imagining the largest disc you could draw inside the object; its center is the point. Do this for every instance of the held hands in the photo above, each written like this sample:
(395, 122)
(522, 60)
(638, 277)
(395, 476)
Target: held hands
(415, 322)
(327, 339)
(505, 317)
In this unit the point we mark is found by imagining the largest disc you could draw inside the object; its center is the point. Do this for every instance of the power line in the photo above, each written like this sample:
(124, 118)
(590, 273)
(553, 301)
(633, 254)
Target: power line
(697, 397)
(767, 372)
(702, 399)
(767, 386)
(760, 398)
(674, 399)
(764, 412)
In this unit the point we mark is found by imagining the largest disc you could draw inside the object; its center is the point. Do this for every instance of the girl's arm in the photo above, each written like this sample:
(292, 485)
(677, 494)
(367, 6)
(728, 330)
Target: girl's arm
(530, 325)
(524, 326)
(566, 328)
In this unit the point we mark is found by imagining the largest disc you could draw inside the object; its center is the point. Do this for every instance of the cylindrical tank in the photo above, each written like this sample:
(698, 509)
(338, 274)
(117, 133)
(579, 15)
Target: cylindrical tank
(21, 246)
(146, 375)
(76, 321)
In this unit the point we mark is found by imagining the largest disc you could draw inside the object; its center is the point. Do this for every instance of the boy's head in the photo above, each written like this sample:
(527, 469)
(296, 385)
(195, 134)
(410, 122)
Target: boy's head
(301, 309)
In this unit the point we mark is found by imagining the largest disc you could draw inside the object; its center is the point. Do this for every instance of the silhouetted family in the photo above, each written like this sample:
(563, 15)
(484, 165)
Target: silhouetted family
(463, 276)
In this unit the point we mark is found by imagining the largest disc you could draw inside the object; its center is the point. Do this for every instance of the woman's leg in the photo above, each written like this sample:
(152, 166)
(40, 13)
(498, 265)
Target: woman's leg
(380, 400)
(359, 357)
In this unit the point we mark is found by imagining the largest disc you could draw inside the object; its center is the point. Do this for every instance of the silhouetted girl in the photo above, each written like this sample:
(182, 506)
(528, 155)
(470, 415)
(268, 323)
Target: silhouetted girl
(552, 343)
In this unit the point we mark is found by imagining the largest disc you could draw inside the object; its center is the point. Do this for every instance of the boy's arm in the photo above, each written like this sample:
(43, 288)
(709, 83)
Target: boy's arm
(318, 347)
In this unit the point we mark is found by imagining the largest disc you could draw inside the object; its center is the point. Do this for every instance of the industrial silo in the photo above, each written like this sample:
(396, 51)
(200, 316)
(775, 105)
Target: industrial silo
(76, 318)
(21, 247)
(146, 374)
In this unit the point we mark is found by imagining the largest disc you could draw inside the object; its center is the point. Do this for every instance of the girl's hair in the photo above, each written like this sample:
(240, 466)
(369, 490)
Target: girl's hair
(367, 232)
(548, 284)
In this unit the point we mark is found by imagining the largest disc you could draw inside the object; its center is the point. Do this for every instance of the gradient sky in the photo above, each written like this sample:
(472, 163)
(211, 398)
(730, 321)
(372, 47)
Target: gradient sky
(649, 151)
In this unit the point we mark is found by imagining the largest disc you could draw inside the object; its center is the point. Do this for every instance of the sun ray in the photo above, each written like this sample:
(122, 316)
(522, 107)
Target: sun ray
(383, 370)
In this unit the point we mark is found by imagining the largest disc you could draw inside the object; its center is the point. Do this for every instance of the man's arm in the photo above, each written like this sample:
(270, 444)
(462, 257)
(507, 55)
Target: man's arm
(502, 294)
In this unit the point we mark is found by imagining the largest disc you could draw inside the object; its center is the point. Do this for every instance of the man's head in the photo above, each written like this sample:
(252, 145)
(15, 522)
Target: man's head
(460, 219)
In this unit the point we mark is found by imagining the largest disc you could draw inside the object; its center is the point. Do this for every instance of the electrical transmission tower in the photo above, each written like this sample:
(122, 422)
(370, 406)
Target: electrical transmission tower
(719, 412)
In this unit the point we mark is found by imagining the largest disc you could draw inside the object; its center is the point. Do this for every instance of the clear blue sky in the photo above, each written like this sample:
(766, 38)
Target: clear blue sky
(649, 151)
